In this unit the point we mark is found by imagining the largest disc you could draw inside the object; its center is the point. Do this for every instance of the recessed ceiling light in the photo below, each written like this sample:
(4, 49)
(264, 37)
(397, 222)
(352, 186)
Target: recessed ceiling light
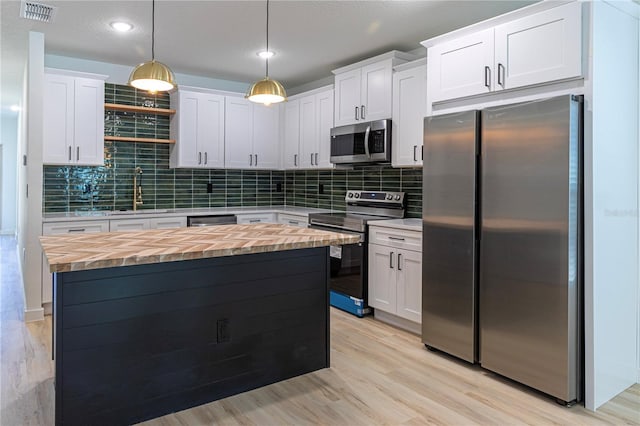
(122, 27)
(264, 54)
(14, 108)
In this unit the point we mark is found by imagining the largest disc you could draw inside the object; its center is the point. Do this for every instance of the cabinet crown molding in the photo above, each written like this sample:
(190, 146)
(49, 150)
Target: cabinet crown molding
(394, 55)
(77, 74)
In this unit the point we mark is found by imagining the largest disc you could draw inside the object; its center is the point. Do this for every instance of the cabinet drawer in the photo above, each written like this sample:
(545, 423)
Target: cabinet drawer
(257, 218)
(294, 220)
(128, 225)
(167, 222)
(398, 238)
(75, 227)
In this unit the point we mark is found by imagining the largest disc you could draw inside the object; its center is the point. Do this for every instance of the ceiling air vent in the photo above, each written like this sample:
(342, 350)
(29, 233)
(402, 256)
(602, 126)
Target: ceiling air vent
(37, 11)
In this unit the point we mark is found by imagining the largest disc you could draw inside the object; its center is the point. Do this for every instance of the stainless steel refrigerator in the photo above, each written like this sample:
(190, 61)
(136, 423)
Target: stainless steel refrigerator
(502, 241)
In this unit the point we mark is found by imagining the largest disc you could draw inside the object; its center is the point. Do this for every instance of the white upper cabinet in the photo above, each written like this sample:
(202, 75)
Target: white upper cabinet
(307, 130)
(409, 110)
(461, 67)
(540, 48)
(347, 102)
(363, 90)
(543, 47)
(73, 119)
(291, 136)
(266, 136)
(198, 128)
(252, 135)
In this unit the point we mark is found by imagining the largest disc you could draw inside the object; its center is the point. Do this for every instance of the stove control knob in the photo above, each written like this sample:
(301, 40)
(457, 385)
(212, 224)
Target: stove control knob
(357, 195)
(351, 195)
(389, 196)
(397, 197)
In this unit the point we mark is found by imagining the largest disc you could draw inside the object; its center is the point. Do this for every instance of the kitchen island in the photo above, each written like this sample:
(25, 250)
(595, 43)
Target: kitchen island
(151, 322)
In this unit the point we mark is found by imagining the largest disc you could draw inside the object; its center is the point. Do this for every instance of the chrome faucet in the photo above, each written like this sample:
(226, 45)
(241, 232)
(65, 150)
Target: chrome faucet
(137, 189)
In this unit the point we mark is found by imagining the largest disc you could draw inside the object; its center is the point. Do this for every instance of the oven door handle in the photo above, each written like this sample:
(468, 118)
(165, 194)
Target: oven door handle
(366, 141)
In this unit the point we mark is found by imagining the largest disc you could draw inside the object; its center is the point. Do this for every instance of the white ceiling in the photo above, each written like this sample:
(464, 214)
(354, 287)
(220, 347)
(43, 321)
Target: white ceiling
(219, 39)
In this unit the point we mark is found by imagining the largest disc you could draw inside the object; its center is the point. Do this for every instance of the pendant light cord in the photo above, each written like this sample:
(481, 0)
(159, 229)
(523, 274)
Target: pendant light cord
(153, 29)
(267, 60)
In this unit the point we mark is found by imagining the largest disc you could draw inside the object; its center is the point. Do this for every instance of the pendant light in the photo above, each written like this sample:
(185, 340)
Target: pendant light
(152, 76)
(267, 91)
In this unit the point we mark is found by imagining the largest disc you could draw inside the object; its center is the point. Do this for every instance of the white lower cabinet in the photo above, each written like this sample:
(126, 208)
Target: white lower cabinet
(395, 275)
(293, 219)
(245, 219)
(77, 227)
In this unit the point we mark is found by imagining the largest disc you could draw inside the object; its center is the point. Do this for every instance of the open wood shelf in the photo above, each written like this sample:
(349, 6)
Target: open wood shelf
(132, 139)
(134, 108)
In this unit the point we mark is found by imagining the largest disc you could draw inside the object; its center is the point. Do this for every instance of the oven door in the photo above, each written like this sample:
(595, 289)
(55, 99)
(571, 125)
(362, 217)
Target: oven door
(348, 266)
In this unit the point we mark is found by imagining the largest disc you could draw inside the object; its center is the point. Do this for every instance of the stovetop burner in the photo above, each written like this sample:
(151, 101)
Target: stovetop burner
(363, 206)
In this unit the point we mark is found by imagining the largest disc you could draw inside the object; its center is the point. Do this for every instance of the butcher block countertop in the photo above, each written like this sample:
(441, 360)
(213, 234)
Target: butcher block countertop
(78, 252)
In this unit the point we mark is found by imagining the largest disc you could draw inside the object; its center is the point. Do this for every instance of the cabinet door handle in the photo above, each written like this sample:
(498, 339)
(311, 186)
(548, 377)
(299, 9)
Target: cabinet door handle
(77, 153)
(251, 159)
(399, 261)
(199, 157)
(316, 158)
(69, 153)
(357, 114)
(256, 159)
(76, 230)
(295, 160)
(362, 111)
(396, 238)
(422, 153)
(205, 157)
(391, 260)
(487, 76)
(501, 75)
(414, 152)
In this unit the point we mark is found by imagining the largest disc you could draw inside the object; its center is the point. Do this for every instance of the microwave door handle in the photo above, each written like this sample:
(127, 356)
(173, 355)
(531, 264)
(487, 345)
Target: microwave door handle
(366, 141)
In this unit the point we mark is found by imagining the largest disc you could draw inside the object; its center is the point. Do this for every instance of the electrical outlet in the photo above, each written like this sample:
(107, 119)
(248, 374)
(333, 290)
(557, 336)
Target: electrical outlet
(209, 188)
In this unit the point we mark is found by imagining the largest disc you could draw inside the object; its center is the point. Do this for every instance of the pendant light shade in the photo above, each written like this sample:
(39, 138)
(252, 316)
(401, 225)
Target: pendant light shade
(152, 75)
(267, 91)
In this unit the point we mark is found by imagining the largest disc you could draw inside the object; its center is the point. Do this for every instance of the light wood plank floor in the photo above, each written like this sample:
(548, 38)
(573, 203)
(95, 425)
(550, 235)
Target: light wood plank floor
(378, 375)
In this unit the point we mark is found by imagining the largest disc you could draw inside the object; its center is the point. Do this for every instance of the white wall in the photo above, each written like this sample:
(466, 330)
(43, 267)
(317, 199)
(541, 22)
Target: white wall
(611, 205)
(30, 208)
(9, 201)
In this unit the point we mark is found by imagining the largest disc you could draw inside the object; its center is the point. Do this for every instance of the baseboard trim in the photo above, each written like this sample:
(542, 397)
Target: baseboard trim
(396, 321)
(31, 315)
(48, 308)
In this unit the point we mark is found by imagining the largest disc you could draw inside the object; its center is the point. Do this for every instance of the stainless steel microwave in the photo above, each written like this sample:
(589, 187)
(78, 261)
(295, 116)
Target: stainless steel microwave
(361, 143)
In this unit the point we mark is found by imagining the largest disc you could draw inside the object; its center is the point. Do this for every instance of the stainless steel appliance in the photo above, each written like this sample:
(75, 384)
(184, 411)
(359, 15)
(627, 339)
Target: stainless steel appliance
(212, 220)
(361, 143)
(502, 241)
(349, 262)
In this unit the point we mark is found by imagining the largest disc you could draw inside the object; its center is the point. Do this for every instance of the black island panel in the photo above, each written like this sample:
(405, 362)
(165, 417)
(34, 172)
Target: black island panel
(137, 342)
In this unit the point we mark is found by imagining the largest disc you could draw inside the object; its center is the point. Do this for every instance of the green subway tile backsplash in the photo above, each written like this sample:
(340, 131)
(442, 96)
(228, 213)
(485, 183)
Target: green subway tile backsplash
(110, 187)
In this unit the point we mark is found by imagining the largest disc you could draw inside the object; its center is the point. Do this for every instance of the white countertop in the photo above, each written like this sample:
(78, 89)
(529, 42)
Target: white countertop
(149, 213)
(410, 224)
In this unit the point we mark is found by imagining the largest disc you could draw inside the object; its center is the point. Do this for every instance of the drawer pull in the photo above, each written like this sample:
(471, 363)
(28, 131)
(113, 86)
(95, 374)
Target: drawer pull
(254, 220)
(294, 222)
(396, 238)
(76, 230)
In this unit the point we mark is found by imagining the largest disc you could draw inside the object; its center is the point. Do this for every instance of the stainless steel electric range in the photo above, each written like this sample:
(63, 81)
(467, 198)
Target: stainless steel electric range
(349, 263)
